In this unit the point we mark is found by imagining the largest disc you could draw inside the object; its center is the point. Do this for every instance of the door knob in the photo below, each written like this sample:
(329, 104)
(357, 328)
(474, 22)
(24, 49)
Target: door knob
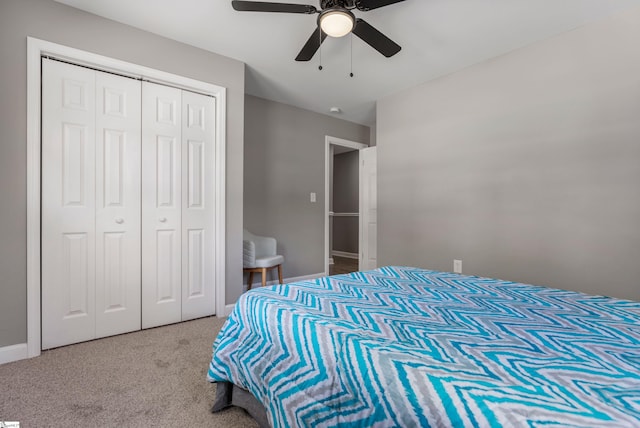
(163, 219)
(119, 220)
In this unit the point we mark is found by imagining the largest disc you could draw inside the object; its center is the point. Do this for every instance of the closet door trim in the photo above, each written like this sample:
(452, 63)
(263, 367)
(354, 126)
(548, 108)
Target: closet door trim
(36, 49)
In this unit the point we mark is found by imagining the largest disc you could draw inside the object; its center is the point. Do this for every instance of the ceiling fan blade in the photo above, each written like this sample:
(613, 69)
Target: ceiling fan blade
(311, 47)
(375, 38)
(259, 6)
(365, 5)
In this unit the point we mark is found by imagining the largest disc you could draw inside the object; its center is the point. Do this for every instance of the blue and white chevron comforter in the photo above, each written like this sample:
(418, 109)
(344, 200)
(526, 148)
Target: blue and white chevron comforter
(400, 346)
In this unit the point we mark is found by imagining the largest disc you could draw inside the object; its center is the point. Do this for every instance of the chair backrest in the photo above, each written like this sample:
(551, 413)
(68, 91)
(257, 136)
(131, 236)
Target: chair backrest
(255, 246)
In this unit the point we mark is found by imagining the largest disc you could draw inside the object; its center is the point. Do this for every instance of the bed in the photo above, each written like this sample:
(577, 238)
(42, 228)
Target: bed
(402, 346)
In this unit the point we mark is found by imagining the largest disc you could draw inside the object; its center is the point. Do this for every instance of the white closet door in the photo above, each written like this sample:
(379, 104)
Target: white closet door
(118, 128)
(161, 205)
(198, 296)
(368, 209)
(68, 204)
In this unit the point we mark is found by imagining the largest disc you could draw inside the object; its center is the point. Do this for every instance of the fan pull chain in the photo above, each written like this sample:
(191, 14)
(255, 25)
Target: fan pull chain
(320, 49)
(351, 73)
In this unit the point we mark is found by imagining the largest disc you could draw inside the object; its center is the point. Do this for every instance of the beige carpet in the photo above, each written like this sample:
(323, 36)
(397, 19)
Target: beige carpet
(154, 377)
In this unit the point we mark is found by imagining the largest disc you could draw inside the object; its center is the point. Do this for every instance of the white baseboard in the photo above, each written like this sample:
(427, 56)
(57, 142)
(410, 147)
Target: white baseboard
(12, 353)
(345, 254)
(228, 309)
(301, 278)
(286, 280)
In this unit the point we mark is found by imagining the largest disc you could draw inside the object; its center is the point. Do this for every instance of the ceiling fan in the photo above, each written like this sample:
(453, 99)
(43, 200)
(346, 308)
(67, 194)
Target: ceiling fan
(335, 19)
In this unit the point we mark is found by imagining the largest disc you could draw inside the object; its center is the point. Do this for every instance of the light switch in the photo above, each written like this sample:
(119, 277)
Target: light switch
(312, 197)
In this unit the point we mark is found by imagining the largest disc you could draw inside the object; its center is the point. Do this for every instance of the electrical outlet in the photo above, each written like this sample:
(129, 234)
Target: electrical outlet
(457, 266)
(312, 197)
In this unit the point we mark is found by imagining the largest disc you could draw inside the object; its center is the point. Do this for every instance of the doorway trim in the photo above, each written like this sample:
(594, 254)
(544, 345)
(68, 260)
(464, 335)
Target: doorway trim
(36, 49)
(328, 142)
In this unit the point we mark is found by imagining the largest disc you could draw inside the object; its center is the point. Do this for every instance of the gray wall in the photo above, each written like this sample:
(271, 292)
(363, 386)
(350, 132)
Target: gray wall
(346, 234)
(526, 167)
(58, 23)
(345, 200)
(284, 162)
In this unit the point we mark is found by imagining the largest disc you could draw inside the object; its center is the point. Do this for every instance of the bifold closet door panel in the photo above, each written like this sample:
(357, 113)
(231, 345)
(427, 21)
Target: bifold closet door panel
(161, 204)
(68, 204)
(118, 134)
(198, 199)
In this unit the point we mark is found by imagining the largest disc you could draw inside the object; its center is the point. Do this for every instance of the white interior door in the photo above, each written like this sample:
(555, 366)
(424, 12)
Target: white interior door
(118, 128)
(161, 204)
(68, 204)
(198, 239)
(90, 204)
(368, 209)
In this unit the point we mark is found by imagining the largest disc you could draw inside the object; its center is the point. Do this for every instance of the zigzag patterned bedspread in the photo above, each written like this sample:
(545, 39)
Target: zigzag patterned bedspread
(401, 346)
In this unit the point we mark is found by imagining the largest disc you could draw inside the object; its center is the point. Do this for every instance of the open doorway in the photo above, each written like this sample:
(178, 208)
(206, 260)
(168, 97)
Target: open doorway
(342, 202)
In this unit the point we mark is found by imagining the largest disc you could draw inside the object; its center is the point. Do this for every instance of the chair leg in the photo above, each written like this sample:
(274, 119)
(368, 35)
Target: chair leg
(264, 276)
(280, 273)
(250, 280)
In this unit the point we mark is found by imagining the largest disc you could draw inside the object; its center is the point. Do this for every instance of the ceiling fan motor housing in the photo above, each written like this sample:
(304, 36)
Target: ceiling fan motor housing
(346, 4)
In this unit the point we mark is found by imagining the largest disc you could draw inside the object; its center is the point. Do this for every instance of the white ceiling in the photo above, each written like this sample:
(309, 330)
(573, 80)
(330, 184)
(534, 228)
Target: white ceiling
(438, 37)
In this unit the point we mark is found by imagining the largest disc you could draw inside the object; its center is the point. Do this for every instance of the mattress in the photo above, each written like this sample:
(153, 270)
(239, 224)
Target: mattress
(402, 346)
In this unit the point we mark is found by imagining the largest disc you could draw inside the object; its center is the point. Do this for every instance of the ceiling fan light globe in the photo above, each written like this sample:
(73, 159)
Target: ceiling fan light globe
(337, 23)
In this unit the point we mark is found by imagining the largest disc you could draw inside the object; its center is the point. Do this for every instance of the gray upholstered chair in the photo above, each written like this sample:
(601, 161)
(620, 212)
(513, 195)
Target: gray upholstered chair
(259, 255)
